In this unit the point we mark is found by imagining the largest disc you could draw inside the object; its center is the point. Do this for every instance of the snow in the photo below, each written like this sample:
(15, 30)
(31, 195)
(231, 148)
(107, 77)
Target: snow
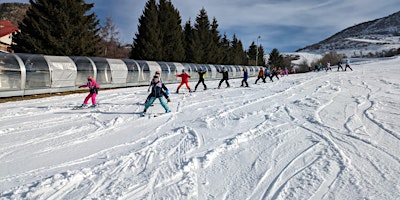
(377, 44)
(367, 46)
(304, 57)
(318, 135)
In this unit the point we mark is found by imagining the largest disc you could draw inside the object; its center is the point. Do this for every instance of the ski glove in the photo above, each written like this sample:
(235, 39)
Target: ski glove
(166, 92)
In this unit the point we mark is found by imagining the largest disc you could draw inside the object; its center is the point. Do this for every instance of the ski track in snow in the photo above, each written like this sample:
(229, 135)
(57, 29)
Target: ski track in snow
(324, 135)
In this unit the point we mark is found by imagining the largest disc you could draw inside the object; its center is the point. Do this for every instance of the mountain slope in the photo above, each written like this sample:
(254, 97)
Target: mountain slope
(376, 38)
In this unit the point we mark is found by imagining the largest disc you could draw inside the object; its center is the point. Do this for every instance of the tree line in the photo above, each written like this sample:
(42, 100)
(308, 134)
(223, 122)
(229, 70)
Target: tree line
(67, 28)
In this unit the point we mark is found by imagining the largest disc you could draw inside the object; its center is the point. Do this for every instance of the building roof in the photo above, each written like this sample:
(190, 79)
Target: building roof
(6, 28)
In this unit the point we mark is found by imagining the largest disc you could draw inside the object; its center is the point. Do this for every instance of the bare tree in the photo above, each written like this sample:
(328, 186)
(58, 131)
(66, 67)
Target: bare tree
(110, 38)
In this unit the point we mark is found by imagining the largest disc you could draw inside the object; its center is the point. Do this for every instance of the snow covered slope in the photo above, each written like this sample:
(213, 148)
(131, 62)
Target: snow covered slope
(319, 135)
(376, 38)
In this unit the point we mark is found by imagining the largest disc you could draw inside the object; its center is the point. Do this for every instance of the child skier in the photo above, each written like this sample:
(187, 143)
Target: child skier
(267, 73)
(225, 77)
(245, 77)
(202, 74)
(274, 73)
(157, 89)
(165, 93)
(339, 65)
(93, 90)
(280, 72)
(286, 72)
(185, 80)
(328, 66)
(348, 65)
(260, 75)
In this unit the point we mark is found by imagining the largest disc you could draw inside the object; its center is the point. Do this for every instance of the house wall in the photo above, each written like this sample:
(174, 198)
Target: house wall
(5, 43)
(6, 39)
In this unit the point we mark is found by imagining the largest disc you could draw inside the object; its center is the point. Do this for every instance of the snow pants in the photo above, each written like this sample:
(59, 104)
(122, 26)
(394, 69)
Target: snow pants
(244, 81)
(222, 80)
(186, 83)
(200, 81)
(258, 78)
(269, 76)
(90, 96)
(162, 101)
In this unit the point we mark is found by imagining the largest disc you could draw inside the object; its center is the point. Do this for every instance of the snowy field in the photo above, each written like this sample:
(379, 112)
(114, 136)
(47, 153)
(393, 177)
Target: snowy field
(319, 135)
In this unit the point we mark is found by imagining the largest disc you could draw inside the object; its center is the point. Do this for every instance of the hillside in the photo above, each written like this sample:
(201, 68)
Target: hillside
(376, 38)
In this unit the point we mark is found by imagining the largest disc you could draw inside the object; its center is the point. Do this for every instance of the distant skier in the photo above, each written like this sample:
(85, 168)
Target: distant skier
(274, 73)
(202, 75)
(286, 72)
(93, 91)
(245, 77)
(328, 66)
(185, 80)
(348, 65)
(225, 77)
(267, 73)
(260, 75)
(340, 65)
(280, 71)
(157, 89)
(319, 67)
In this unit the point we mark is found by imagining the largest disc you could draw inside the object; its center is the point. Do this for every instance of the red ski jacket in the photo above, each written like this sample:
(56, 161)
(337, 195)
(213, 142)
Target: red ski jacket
(185, 77)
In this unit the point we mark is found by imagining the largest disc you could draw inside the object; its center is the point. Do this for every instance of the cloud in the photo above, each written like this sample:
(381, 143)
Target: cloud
(287, 25)
(284, 24)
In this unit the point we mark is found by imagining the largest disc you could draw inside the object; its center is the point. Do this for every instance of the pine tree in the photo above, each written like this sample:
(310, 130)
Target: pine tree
(226, 50)
(216, 55)
(203, 36)
(252, 54)
(260, 60)
(171, 32)
(147, 44)
(275, 58)
(191, 50)
(58, 27)
(239, 56)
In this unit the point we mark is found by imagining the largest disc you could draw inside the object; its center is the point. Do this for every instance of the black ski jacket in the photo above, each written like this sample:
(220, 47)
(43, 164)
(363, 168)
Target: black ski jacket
(157, 89)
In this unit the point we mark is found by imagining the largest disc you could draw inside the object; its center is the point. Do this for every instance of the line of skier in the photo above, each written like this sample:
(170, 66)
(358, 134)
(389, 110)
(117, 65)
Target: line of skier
(270, 73)
(328, 66)
(158, 90)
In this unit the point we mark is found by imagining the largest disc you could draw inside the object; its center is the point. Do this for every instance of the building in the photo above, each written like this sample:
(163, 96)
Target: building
(6, 31)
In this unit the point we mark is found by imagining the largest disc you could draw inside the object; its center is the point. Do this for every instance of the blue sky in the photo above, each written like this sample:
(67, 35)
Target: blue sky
(283, 24)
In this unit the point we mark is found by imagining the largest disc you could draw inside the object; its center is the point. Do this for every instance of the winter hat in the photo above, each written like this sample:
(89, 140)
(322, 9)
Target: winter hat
(183, 70)
(156, 76)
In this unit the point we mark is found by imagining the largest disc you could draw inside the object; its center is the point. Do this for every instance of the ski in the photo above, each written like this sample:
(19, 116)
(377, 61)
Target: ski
(82, 107)
(152, 114)
(79, 108)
